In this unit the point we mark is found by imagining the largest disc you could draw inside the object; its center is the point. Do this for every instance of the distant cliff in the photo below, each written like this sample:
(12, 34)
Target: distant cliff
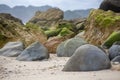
(26, 13)
(68, 15)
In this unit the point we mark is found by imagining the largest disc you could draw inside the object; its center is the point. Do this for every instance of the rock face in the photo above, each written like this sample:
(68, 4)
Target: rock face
(49, 18)
(116, 59)
(67, 48)
(11, 29)
(12, 49)
(87, 58)
(114, 51)
(113, 5)
(35, 51)
(100, 24)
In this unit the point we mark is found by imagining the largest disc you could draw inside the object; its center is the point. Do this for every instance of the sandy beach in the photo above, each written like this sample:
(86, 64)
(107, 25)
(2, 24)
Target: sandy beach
(50, 69)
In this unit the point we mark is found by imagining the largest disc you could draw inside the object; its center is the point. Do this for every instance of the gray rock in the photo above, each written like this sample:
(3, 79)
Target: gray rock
(87, 58)
(116, 59)
(113, 5)
(35, 51)
(67, 48)
(114, 51)
(12, 49)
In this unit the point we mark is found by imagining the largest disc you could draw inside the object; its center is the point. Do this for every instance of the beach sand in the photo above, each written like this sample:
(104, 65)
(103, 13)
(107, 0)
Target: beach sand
(51, 69)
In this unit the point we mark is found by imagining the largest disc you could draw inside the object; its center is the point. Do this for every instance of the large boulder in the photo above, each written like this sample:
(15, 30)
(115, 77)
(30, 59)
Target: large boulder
(113, 5)
(12, 49)
(114, 51)
(35, 51)
(67, 48)
(87, 58)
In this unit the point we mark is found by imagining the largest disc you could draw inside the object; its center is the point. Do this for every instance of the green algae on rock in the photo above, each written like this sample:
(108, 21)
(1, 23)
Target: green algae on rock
(115, 36)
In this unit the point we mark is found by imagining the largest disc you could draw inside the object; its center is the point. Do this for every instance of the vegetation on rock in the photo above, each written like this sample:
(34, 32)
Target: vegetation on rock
(100, 24)
(114, 37)
(104, 18)
(11, 29)
(65, 31)
(51, 33)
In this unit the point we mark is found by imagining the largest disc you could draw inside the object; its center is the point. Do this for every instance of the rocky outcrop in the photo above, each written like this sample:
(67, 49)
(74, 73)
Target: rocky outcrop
(35, 51)
(67, 48)
(87, 58)
(49, 18)
(11, 29)
(100, 24)
(12, 49)
(113, 5)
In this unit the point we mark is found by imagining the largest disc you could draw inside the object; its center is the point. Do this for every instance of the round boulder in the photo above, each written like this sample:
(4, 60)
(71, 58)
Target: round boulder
(114, 51)
(35, 51)
(12, 49)
(113, 5)
(88, 58)
(67, 48)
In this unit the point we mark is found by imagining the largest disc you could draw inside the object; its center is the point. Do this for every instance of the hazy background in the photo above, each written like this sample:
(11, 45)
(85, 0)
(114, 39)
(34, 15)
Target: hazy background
(62, 4)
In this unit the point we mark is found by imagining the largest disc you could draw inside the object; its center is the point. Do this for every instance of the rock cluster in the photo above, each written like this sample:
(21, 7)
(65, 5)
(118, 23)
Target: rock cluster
(35, 51)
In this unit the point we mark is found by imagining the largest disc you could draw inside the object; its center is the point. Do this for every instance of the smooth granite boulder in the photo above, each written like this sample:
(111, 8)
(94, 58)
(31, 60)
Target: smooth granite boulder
(67, 48)
(12, 49)
(88, 58)
(35, 51)
(114, 51)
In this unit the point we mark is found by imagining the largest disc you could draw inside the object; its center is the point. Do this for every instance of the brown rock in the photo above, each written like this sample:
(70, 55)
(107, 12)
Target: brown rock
(52, 43)
(49, 18)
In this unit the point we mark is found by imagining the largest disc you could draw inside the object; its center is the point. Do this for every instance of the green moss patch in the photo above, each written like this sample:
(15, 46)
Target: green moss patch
(66, 25)
(104, 18)
(115, 36)
(51, 33)
(65, 31)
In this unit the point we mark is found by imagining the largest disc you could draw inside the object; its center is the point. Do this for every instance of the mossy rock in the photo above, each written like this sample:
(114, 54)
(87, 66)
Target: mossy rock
(115, 36)
(104, 18)
(51, 33)
(66, 25)
(33, 26)
(65, 31)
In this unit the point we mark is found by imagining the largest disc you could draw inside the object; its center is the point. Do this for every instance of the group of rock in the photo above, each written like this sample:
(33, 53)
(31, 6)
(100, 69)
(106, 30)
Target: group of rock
(83, 56)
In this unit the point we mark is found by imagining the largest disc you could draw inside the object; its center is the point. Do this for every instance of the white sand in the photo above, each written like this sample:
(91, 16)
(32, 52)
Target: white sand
(11, 69)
